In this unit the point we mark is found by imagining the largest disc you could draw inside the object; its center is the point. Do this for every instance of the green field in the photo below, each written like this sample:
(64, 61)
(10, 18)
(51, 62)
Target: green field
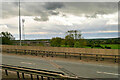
(113, 46)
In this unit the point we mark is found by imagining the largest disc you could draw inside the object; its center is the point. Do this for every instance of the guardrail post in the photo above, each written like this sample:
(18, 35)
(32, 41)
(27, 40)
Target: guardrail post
(101, 58)
(25, 52)
(36, 53)
(96, 57)
(53, 78)
(52, 54)
(80, 56)
(69, 55)
(37, 77)
(20, 51)
(115, 59)
(43, 53)
(30, 52)
(42, 78)
(7, 50)
(47, 53)
(23, 76)
(16, 51)
(48, 78)
(6, 72)
(65, 55)
(18, 75)
(31, 76)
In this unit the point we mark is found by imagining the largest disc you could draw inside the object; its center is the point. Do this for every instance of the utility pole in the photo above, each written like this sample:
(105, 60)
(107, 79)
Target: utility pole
(19, 24)
(23, 20)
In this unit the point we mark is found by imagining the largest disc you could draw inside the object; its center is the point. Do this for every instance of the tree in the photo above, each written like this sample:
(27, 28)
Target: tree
(75, 33)
(71, 37)
(80, 44)
(69, 40)
(56, 42)
(7, 38)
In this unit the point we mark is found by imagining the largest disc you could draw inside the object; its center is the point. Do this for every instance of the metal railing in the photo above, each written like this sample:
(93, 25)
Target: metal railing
(50, 75)
(97, 57)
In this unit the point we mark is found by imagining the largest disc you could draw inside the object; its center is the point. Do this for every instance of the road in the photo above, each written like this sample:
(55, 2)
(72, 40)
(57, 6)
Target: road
(71, 68)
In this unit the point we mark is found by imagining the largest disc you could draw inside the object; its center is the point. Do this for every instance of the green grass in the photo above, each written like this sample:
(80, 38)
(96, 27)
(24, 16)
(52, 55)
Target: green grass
(113, 46)
(93, 47)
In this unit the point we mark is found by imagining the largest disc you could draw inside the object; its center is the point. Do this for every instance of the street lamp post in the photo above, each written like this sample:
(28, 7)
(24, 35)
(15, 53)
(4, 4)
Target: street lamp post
(23, 20)
(19, 24)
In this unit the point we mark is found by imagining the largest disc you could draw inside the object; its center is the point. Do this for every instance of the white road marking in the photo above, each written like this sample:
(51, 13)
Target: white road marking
(116, 74)
(26, 63)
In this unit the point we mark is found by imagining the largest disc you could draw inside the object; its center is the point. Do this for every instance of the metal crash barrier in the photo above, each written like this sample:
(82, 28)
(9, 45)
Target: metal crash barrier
(50, 75)
(97, 57)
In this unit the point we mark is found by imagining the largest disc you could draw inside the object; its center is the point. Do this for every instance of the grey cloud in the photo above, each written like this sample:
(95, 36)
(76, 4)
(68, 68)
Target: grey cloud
(37, 19)
(41, 19)
(54, 12)
(53, 5)
(9, 9)
(90, 9)
(95, 14)
(100, 28)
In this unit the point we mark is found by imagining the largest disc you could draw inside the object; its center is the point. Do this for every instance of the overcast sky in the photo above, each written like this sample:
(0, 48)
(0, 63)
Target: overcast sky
(44, 20)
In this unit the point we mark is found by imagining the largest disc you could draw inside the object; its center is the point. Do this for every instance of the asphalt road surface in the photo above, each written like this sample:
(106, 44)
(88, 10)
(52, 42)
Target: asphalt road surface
(71, 68)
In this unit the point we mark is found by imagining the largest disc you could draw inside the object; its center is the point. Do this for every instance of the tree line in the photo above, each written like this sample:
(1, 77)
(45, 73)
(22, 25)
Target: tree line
(72, 39)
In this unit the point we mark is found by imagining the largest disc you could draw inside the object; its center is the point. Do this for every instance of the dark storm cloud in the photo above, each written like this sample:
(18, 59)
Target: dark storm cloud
(53, 5)
(44, 10)
(90, 8)
(11, 9)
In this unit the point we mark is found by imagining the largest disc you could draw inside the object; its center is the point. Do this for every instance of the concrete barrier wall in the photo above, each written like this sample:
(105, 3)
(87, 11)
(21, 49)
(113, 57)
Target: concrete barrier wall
(64, 49)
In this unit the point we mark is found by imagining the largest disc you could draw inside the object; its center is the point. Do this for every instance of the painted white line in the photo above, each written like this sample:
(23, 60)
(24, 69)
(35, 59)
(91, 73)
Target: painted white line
(26, 63)
(116, 74)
